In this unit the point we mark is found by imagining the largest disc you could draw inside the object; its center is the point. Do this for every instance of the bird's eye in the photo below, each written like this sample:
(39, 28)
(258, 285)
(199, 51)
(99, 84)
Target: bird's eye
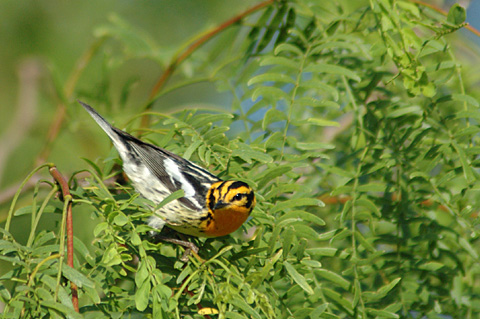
(238, 196)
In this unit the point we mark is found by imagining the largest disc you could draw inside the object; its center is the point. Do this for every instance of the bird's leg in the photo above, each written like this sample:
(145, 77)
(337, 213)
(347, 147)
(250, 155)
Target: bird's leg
(190, 248)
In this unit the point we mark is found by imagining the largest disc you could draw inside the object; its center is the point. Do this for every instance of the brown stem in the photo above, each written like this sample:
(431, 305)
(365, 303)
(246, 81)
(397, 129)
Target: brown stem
(195, 45)
(67, 196)
(68, 90)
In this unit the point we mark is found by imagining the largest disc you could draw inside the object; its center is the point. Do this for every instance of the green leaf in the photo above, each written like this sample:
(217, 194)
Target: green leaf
(303, 215)
(121, 219)
(248, 154)
(372, 187)
(76, 277)
(23, 211)
(312, 102)
(271, 77)
(142, 295)
(338, 299)
(199, 121)
(305, 231)
(265, 271)
(241, 304)
(66, 311)
(298, 278)
(248, 252)
(369, 205)
(282, 61)
(314, 146)
(271, 116)
(234, 315)
(215, 133)
(311, 263)
(321, 86)
(287, 239)
(111, 256)
(467, 169)
(340, 172)
(4, 293)
(297, 202)
(134, 41)
(357, 292)
(100, 228)
(456, 14)
(468, 114)
(466, 98)
(468, 247)
(468, 131)
(409, 110)
(93, 165)
(327, 235)
(192, 148)
(333, 277)
(63, 295)
(431, 266)
(322, 122)
(142, 274)
(170, 198)
(271, 173)
(332, 69)
(382, 313)
(410, 7)
(290, 48)
(269, 93)
(460, 98)
(382, 292)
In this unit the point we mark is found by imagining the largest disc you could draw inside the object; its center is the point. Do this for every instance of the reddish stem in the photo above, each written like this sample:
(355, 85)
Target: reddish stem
(66, 195)
(191, 48)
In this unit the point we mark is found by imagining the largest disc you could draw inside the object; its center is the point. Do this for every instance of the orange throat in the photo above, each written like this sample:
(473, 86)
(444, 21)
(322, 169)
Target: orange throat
(226, 221)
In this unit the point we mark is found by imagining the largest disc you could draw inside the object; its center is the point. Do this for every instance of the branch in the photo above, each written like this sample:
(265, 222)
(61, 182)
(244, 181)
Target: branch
(67, 93)
(195, 45)
(445, 13)
(66, 196)
(29, 74)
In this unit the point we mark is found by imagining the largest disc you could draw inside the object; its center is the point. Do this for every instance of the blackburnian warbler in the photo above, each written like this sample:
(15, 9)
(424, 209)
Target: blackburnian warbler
(210, 207)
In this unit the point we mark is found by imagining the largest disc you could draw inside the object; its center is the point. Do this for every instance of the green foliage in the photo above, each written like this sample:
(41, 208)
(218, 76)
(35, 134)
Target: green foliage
(357, 127)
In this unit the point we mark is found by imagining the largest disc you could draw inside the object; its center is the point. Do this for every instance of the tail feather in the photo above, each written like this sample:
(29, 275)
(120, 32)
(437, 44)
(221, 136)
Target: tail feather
(109, 129)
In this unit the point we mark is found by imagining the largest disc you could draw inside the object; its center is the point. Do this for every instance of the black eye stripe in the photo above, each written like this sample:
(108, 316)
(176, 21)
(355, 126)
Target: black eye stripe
(211, 200)
(250, 198)
(237, 184)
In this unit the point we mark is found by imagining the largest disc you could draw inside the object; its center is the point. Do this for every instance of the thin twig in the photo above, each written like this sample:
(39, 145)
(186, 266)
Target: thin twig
(445, 13)
(29, 74)
(68, 90)
(6, 194)
(67, 197)
(195, 45)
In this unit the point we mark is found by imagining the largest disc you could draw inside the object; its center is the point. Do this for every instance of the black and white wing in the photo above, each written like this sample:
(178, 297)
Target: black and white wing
(156, 172)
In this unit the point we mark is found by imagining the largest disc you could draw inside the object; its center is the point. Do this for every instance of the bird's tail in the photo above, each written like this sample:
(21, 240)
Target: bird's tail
(109, 129)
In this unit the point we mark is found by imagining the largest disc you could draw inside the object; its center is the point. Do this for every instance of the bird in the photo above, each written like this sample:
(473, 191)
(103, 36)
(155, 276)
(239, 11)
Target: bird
(210, 207)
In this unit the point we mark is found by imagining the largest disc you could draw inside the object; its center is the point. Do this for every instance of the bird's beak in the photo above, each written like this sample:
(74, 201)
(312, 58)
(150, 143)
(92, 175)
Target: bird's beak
(220, 205)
